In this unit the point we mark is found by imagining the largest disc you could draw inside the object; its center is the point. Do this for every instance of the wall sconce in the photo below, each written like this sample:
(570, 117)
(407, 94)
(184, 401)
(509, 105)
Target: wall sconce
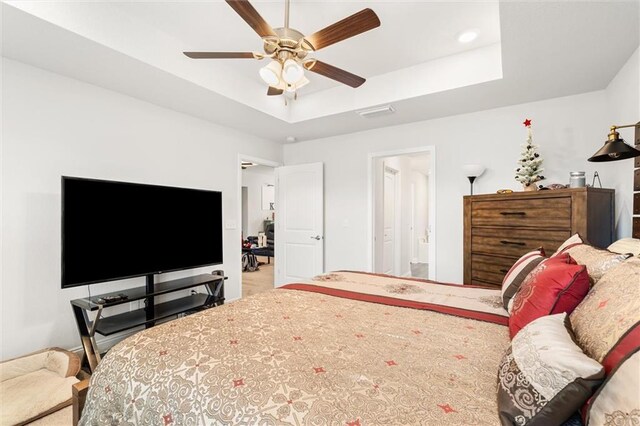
(615, 148)
(472, 171)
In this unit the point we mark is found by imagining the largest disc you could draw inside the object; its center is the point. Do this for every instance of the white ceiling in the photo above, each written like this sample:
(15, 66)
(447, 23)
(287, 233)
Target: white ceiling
(526, 51)
(399, 43)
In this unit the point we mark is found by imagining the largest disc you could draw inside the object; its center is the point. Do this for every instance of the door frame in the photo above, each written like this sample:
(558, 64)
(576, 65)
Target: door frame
(371, 157)
(413, 252)
(262, 162)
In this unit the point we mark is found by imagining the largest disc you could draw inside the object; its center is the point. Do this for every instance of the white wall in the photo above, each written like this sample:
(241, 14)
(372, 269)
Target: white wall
(55, 126)
(254, 178)
(568, 129)
(623, 107)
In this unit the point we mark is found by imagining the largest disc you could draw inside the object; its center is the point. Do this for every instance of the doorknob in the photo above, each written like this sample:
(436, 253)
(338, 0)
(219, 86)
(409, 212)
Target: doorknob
(317, 237)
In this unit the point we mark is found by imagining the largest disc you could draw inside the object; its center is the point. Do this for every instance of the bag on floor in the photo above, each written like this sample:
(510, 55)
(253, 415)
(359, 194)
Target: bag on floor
(249, 262)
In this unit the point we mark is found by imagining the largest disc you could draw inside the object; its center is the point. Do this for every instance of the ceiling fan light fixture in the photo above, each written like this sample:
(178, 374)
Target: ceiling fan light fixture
(271, 73)
(292, 71)
(288, 48)
(301, 83)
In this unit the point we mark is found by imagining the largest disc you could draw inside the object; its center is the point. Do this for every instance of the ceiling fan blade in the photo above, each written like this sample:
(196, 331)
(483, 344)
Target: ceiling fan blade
(350, 26)
(335, 73)
(219, 55)
(274, 91)
(252, 17)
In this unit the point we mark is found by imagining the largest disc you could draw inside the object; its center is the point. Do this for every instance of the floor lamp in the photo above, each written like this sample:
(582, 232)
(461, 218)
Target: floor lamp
(473, 171)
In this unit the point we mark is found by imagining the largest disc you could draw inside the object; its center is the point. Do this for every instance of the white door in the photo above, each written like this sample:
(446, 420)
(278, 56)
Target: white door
(299, 236)
(389, 220)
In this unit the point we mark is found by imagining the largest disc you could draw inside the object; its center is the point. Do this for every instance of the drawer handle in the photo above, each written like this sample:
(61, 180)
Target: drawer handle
(513, 243)
(513, 213)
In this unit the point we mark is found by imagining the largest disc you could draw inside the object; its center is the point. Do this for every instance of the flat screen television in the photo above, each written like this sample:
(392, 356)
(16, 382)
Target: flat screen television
(116, 230)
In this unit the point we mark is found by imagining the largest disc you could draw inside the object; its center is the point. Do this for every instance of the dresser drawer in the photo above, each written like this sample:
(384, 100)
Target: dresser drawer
(486, 278)
(490, 269)
(496, 264)
(554, 213)
(515, 242)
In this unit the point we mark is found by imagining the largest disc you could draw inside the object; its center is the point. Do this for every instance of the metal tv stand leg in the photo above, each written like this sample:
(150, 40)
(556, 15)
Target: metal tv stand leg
(87, 331)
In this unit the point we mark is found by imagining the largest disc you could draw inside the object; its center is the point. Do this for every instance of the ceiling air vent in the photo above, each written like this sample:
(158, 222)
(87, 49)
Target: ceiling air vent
(376, 111)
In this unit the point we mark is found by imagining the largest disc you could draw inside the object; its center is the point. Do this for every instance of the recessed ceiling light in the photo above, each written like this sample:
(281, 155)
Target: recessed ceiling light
(467, 36)
(290, 139)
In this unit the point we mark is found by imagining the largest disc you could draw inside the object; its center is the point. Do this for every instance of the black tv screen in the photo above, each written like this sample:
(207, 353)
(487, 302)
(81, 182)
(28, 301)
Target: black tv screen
(115, 230)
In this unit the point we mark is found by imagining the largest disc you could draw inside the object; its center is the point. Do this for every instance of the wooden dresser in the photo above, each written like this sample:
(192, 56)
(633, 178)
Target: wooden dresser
(498, 229)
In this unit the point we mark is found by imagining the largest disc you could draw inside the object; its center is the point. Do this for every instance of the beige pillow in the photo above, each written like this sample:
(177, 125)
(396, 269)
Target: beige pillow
(598, 261)
(609, 313)
(626, 245)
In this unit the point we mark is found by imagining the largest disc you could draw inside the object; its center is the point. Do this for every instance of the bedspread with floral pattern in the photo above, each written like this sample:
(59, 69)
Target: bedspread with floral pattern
(291, 357)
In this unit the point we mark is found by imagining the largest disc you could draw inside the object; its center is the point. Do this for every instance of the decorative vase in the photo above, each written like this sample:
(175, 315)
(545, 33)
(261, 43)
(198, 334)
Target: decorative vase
(530, 187)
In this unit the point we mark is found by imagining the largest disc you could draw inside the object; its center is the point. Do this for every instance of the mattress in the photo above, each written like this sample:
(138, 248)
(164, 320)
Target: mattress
(345, 349)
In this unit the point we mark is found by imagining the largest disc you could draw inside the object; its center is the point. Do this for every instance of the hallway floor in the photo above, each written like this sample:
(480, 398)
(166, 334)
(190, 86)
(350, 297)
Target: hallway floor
(420, 270)
(260, 280)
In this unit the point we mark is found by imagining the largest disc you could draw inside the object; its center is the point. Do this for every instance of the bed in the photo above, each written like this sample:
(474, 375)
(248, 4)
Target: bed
(347, 348)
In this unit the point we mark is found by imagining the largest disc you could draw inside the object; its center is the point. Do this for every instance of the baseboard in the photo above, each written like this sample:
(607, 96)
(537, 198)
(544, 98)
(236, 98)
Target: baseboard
(108, 342)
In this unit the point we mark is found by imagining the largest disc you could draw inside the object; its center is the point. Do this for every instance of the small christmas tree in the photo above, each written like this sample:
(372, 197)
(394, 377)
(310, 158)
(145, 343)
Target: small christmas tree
(530, 163)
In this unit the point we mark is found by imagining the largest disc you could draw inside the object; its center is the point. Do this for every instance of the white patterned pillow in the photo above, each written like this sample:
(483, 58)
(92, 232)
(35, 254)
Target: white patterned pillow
(518, 272)
(617, 402)
(574, 240)
(545, 377)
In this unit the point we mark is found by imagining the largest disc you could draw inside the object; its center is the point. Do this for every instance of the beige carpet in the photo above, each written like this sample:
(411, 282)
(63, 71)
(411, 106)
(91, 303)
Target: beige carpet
(260, 280)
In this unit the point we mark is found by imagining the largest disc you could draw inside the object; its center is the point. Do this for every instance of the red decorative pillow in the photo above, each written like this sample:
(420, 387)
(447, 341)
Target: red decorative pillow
(557, 285)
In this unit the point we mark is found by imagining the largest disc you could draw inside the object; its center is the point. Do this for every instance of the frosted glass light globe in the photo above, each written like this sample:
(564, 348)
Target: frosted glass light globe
(292, 71)
(271, 73)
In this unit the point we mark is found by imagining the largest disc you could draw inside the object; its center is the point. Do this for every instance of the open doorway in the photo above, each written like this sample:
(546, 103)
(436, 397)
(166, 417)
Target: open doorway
(403, 213)
(258, 210)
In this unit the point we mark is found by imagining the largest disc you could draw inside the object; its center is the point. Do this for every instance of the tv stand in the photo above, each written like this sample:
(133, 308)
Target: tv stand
(147, 316)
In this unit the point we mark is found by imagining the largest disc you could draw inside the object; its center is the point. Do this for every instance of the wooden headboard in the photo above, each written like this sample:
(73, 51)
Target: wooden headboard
(636, 189)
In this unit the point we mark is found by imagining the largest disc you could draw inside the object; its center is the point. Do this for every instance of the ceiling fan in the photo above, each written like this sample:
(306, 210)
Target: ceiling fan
(288, 48)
